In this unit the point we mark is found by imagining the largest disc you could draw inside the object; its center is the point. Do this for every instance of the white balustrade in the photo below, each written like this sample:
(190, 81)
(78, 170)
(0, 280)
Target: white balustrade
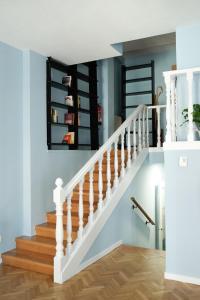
(122, 156)
(157, 108)
(134, 140)
(147, 124)
(80, 210)
(69, 224)
(158, 127)
(143, 130)
(129, 148)
(190, 136)
(108, 192)
(139, 134)
(116, 180)
(173, 109)
(100, 185)
(59, 198)
(168, 110)
(91, 196)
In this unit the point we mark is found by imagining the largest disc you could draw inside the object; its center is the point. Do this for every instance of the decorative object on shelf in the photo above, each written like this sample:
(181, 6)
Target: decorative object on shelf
(69, 100)
(68, 138)
(54, 116)
(159, 92)
(195, 117)
(66, 80)
(79, 102)
(100, 113)
(69, 118)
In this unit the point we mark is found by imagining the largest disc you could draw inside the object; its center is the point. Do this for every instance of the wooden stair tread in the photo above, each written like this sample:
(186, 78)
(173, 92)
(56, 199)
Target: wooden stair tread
(29, 260)
(37, 239)
(49, 230)
(37, 244)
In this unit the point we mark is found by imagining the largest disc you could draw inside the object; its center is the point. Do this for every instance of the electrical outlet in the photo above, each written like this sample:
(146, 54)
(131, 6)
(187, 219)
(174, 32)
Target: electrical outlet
(183, 161)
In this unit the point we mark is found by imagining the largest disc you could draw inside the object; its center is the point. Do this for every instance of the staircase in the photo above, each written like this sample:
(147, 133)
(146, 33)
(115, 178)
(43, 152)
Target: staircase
(84, 205)
(37, 253)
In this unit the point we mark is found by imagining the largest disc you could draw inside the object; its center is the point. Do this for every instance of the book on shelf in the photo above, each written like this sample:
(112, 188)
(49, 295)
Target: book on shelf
(68, 138)
(69, 118)
(54, 115)
(79, 102)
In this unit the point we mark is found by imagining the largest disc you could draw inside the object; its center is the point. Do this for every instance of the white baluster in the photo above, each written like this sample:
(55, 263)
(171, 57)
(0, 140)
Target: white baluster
(168, 109)
(129, 148)
(122, 156)
(91, 198)
(143, 129)
(69, 224)
(100, 185)
(173, 111)
(190, 136)
(139, 133)
(134, 140)
(158, 127)
(147, 128)
(108, 192)
(58, 199)
(80, 211)
(116, 180)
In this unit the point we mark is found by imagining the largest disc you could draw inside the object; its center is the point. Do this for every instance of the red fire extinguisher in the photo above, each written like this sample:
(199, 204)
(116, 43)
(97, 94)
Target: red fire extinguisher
(100, 113)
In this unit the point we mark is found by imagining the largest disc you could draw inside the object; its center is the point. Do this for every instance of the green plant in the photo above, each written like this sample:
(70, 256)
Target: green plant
(195, 115)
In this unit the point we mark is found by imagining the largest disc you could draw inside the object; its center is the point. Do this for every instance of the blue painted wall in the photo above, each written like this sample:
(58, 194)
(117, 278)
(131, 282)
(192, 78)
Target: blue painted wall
(11, 145)
(182, 213)
(125, 224)
(188, 46)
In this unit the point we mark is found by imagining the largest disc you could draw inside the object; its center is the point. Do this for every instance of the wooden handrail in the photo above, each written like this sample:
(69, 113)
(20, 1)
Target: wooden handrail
(137, 205)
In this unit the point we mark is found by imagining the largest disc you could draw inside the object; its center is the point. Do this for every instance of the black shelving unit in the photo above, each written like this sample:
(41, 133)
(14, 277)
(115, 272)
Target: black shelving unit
(151, 91)
(75, 92)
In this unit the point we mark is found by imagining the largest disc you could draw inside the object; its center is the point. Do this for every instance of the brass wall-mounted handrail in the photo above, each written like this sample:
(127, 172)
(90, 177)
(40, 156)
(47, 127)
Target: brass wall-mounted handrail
(137, 205)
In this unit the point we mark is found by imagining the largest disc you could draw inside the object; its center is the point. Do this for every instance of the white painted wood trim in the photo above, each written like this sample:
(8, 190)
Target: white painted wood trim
(99, 255)
(193, 145)
(182, 278)
(0, 259)
(183, 71)
(155, 149)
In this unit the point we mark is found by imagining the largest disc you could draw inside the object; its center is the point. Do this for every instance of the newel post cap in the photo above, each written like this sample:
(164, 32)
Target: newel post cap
(58, 193)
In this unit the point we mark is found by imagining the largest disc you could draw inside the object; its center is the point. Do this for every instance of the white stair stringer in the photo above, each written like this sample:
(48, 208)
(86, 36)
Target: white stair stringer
(72, 265)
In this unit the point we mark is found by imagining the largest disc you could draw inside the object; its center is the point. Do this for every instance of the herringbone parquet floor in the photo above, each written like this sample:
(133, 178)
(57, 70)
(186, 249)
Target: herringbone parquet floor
(125, 274)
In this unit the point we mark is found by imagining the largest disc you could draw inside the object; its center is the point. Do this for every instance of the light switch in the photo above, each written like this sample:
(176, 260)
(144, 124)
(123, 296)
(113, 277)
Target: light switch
(183, 161)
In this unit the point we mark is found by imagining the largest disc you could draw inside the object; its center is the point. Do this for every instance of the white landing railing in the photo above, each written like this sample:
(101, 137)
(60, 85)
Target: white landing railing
(126, 146)
(158, 109)
(181, 86)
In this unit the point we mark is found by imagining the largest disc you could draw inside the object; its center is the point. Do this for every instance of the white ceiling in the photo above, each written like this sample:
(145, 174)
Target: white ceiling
(82, 30)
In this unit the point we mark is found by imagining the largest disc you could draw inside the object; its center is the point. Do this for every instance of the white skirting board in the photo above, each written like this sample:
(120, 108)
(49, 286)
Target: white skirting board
(99, 255)
(182, 278)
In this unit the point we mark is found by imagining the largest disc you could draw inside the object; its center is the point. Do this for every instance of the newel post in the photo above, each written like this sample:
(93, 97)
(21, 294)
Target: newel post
(58, 199)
